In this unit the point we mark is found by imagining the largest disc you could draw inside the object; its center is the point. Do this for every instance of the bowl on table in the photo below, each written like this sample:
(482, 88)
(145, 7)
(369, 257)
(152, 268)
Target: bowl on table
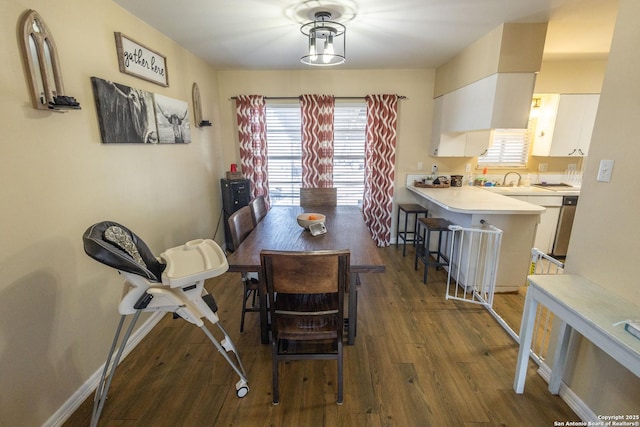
(306, 219)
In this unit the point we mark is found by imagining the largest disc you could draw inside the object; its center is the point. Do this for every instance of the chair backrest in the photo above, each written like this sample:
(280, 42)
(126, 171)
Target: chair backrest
(116, 246)
(306, 292)
(310, 197)
(240, 225)
(258, 209)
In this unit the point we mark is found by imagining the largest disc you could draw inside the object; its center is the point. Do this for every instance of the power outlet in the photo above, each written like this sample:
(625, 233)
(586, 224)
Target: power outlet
(434, 169)
(467, 167)
(543, 167)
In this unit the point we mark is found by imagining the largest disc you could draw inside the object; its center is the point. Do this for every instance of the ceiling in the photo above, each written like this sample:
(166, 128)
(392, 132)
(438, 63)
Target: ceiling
(265, 34)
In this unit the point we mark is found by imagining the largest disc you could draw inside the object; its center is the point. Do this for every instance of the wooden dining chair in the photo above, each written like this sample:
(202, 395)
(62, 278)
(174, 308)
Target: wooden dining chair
(258, 209)
(240, 225)
(306, 304)
(310, 197)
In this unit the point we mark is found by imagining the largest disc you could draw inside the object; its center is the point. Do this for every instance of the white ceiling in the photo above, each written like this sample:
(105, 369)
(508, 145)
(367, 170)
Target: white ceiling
(265, 34)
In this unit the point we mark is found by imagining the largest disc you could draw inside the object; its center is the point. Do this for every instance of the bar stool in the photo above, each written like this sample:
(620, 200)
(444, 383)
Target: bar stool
(407, 210)
(426, 226)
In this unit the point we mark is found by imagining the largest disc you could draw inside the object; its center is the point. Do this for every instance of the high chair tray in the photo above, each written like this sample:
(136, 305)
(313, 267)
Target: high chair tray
(195, 260)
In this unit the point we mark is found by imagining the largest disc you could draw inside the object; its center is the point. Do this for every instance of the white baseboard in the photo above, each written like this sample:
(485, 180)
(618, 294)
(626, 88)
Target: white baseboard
(570, 398)
(88, 388)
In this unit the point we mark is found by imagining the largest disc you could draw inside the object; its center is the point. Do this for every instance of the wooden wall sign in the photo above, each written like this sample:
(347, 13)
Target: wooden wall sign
(140, 61)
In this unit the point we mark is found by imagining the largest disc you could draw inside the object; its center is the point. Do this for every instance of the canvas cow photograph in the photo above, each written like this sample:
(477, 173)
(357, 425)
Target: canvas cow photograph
(125, 114)
(172, 120)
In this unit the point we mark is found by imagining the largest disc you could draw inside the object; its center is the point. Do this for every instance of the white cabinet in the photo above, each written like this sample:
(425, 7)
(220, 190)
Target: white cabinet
(463, 119)
(565, 125)
(501, 100)
(456, 144)
(546, 232)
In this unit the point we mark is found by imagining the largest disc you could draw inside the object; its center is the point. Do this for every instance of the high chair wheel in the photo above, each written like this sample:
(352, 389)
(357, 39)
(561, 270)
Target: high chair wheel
(242, 392)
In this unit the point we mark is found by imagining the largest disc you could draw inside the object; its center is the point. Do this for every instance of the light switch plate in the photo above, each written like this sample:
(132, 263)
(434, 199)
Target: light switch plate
(604, 171)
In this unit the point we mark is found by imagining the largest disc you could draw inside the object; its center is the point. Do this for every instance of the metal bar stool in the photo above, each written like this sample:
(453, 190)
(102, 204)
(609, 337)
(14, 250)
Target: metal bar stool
(426, 226)
(408, 209)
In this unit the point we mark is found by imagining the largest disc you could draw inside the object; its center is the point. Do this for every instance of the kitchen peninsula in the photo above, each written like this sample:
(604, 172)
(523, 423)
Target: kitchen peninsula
(468, 206)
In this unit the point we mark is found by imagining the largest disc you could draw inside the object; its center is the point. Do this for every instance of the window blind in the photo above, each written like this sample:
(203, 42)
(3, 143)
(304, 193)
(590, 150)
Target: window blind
(510, 148)
(284, 152)
(350, 122)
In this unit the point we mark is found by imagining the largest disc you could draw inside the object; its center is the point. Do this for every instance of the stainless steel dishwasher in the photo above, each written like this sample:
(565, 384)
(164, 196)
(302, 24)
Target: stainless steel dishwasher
(565, 223)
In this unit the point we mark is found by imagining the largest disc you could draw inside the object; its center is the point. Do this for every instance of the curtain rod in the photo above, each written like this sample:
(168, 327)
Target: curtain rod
(298, 97)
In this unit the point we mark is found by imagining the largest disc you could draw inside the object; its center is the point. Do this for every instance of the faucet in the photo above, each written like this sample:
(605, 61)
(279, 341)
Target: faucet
(504, 180)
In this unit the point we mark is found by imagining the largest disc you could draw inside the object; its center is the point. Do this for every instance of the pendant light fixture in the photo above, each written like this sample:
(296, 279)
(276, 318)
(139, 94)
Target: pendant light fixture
(326, 40)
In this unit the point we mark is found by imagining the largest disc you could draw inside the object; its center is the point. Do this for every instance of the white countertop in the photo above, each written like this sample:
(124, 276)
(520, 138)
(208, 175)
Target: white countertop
(475, 200)
(520, 191)
(535, 191)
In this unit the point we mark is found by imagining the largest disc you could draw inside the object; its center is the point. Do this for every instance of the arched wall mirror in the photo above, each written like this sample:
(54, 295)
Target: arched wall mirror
(197, 107)
(43, 68)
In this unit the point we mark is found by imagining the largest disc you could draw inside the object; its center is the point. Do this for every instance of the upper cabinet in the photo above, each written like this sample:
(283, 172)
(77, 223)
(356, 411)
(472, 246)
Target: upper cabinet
(501, 100)
(463, 119)
(565, 124)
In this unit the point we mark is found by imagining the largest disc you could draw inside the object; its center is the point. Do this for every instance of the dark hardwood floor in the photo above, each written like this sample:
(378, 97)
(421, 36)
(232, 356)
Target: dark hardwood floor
(418, 360)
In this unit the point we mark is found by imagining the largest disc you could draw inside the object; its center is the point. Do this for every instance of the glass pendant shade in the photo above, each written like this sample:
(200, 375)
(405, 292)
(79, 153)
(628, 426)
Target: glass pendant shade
(326, 41)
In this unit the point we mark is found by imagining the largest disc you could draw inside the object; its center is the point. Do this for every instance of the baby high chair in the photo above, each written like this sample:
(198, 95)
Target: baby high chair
(173, 283)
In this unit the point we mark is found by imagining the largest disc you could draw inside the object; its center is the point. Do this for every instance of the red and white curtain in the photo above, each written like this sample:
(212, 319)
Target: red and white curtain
(379, 165)
(317, 140)
(252, 135)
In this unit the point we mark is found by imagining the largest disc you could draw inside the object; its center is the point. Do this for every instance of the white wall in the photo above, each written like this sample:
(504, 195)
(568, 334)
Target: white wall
(58, 307)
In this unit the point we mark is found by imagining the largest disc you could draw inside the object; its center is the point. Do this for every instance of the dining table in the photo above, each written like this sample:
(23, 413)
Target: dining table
(279, 230)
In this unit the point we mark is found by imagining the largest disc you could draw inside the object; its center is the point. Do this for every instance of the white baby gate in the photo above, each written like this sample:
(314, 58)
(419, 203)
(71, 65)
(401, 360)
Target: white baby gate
(474, 257)
(473, 264)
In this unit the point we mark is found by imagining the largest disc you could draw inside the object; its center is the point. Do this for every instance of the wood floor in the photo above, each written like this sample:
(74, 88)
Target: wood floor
(418, 360)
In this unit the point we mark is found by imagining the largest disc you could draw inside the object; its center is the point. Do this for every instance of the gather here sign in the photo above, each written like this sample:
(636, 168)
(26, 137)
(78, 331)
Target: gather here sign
(140, 61)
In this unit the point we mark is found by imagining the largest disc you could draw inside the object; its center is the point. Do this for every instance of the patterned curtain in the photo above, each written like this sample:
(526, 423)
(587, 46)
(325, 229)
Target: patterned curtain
(317, 140)
(379, 166)
(252, 134)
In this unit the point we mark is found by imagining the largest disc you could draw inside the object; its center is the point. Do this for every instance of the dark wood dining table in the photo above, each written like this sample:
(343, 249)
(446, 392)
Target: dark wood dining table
(279, 230)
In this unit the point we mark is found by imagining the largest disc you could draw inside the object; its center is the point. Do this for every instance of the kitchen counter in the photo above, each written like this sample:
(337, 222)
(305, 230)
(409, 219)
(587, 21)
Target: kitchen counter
(476, 200)
(470, 206)
(534, 191)
(520, 191)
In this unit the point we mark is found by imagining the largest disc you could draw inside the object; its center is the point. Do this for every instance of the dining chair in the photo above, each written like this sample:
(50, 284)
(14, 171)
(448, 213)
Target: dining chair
(310, 197)
(258, 209)
(306, 304)
(240, 225)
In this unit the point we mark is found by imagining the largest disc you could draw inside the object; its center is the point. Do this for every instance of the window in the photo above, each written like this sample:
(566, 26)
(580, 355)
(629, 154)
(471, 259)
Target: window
(284, 152)
(350, 122)
(510, 148)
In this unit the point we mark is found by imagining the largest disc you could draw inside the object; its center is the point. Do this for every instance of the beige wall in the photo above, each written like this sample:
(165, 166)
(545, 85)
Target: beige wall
(604, 243)
(509, 48)
(415, 112)
(58, 308)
